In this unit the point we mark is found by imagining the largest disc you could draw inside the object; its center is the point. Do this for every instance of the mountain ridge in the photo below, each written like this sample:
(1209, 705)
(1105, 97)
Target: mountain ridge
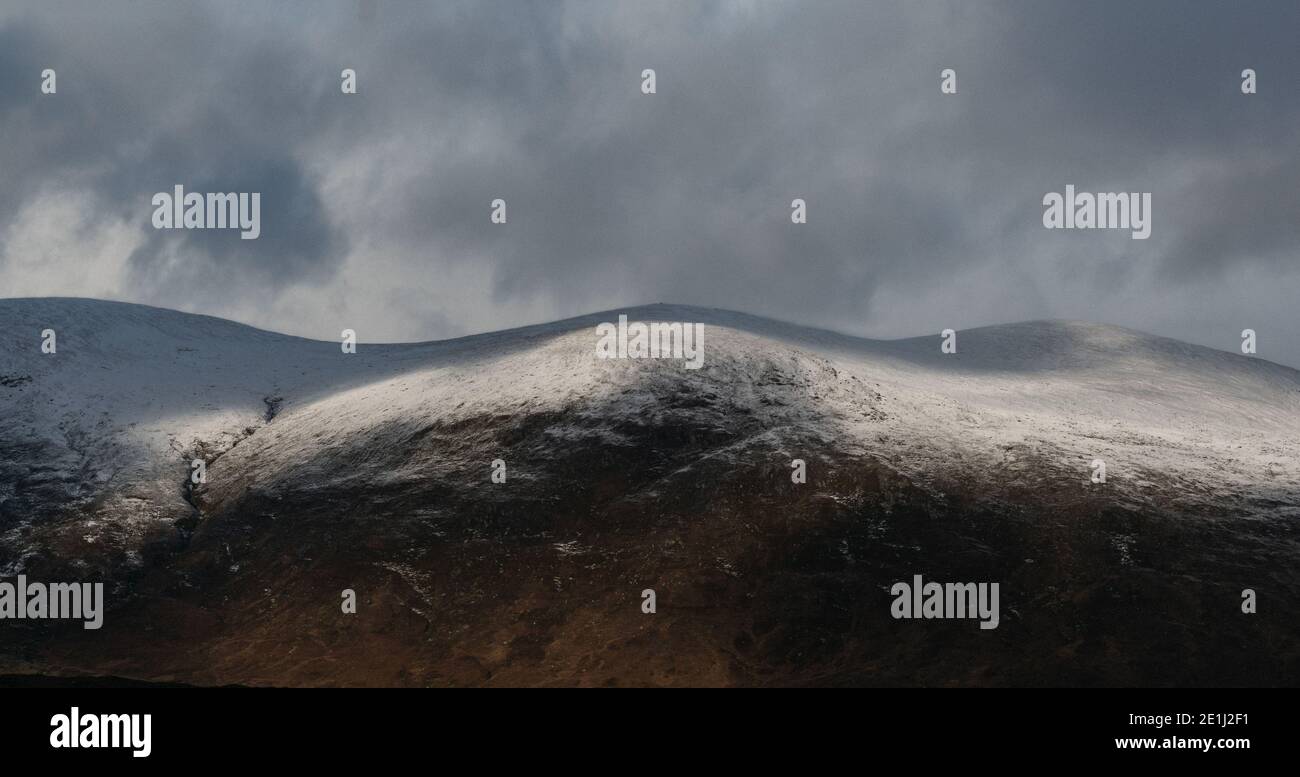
(373, 472)
(657, 311)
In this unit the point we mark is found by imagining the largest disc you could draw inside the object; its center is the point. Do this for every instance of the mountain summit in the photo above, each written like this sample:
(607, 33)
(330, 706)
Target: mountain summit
(499, 503)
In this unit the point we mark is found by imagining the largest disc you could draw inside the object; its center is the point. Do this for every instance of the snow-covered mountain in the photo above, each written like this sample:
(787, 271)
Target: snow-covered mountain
(372, 472)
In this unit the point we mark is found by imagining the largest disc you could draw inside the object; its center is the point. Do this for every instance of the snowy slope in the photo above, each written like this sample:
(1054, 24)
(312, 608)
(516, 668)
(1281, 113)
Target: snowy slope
(105, 429)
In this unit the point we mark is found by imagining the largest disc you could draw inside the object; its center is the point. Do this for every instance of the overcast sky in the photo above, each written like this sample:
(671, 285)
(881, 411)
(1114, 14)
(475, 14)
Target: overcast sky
(924, 209)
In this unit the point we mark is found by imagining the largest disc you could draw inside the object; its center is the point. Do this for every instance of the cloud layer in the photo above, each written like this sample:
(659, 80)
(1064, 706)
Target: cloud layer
(924, 209)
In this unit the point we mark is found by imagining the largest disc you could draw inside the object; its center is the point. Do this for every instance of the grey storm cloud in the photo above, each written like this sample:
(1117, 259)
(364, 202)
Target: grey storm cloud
(924, 209)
